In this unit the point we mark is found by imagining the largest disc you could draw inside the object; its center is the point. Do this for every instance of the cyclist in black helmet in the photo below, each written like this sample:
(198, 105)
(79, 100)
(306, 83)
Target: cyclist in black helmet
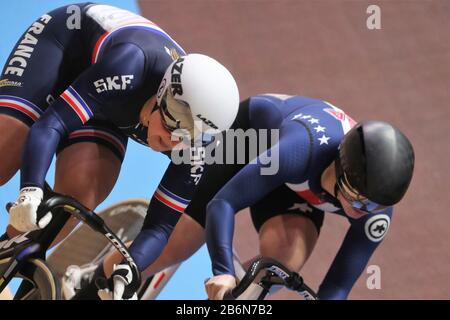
(333, 165)
(323, 166)
(375, 163)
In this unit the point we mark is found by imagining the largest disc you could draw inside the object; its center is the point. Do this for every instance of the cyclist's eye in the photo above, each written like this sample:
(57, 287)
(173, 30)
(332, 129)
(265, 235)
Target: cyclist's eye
(350, 192)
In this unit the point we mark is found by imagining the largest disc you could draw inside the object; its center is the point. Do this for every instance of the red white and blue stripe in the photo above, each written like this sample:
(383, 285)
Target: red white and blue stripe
(77, 103)
(101, 134)
(150, 26)
(304, 191)
(170, 199)
(26, 107)
(346, 121)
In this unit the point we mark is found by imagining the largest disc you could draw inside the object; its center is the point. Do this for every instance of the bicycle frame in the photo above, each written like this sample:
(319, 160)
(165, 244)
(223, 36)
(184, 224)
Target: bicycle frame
(38, 242)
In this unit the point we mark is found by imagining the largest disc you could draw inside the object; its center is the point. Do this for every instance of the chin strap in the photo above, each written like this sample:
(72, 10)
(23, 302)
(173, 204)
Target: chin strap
(336, 190)
(155, 107)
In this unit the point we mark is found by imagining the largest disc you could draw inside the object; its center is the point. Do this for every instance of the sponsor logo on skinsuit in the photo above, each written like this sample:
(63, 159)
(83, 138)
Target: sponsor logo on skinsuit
(113, 83)
(377, 227)
(172, 52)
(10, 83)
(18, 63)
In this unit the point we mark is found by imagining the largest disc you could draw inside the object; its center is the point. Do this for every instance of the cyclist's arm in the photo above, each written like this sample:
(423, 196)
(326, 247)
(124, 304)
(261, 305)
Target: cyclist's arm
(247, 187)
(166, 206)
(354, 254)
(80, 102)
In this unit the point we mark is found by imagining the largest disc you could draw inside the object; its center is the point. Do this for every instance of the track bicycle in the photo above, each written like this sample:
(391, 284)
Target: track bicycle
(24, 256)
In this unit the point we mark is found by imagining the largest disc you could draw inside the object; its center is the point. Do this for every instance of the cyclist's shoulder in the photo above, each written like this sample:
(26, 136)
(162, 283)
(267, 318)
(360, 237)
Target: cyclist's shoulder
(123, 26)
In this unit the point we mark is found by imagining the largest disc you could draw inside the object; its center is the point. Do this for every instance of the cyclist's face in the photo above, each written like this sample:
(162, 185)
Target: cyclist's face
(158, 137)
(354, 198)
(328, 182)
(349, 210)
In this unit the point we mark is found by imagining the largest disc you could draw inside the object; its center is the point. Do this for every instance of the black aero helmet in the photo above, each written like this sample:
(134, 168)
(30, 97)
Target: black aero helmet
(377, 161)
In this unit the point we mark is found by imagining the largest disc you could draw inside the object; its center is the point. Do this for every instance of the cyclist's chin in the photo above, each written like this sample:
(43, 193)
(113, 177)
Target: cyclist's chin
(161, 144)
(355, 213)
(156, 144)
(349, 210)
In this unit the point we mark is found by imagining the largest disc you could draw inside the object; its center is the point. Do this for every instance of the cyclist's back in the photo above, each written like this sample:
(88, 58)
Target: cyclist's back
(65, 42)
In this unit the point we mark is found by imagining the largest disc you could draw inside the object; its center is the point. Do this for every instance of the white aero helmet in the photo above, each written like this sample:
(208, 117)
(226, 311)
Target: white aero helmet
(198, 92)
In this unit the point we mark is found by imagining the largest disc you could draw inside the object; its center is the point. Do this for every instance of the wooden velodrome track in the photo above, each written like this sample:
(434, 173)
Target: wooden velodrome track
(399, 74)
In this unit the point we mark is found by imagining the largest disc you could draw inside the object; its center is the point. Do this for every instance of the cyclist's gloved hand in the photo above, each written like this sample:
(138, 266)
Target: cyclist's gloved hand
(217, 286)
(22, 215)
(119, 281)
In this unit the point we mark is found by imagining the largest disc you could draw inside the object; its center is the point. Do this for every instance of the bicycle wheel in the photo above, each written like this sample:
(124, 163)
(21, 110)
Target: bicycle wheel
(39, 282)
(85, 249)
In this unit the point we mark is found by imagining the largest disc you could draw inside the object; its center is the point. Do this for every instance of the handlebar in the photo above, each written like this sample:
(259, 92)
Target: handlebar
(76, 209)
(72, 206)
(291, 280)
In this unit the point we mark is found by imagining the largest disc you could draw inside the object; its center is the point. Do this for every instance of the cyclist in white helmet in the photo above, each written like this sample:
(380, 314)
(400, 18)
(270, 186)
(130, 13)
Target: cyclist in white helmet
(85, 90)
